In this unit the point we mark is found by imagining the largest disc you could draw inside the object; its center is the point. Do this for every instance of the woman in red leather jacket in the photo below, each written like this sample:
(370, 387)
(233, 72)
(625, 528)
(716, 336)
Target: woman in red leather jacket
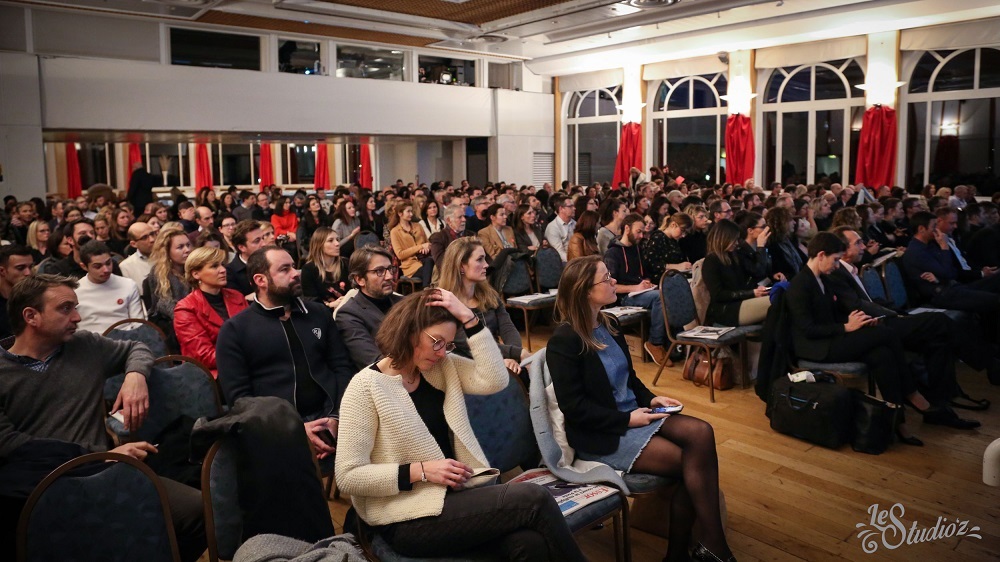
(198, 316)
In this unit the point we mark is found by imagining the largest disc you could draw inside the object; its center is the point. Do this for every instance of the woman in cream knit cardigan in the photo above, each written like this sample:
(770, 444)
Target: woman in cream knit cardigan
(407, 454)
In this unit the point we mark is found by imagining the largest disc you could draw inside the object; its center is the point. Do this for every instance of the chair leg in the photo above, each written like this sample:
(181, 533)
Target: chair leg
(659, 371)
(329, 486)
(626, 532)
(745, 363)
(527, 327)
(711, 382)
(619, 546)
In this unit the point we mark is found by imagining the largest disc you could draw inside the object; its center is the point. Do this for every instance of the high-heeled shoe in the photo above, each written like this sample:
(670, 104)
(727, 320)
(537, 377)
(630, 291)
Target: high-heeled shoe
(703, 554)
(911, 440)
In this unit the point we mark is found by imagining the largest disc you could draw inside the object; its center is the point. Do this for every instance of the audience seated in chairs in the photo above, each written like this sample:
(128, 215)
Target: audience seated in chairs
(463, 273)
(661, 248)
(347, 225)
(360, 316)
(165, 282)
(607, 410)
(624, 264)
(431, 220)
(584, 240)
(407, 446)
(78, 233)
(560, 229)
(136, 267)
(104, 298)
(454, 219)
(786, 256)
(409, 244)
(497, 235)
(248, 237)
(736, 299)
(612, 213)
(823, 332)
(15, 265)
(285, 220)
(285, 347)
(199, 316)
(51, 381)
(324, 275)
(59, 247)
(527, 233)
(694, 244)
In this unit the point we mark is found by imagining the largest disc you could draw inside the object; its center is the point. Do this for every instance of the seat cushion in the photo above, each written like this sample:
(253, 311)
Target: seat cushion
(849, 368)
(594, 513)
(645, 483)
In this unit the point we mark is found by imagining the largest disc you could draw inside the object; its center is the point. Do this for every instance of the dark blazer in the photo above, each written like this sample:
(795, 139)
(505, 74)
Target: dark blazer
(439, 242)
(755, 261)
(920, 258)
(236, 276)
(813, 314)
(728, 285)
(593, 422)
(359, 321)
(313, 286)
(984, 247)
(522, 239)
(850, 296)
(780, 261)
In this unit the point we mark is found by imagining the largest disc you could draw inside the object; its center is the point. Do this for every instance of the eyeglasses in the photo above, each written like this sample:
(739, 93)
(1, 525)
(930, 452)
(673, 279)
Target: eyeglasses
(607, 279)
(438, 345)
(381, 271)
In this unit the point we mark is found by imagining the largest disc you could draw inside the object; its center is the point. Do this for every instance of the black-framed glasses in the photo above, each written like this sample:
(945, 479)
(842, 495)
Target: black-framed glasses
(381, 271)
(438, 345)
(607, 279)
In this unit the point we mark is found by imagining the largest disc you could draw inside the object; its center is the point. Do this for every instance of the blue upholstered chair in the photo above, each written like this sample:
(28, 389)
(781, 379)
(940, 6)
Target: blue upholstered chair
(548, 269)
(184, 389)
(366, 238)
(114, 511)
(142, 331)
(872, 281)
(220, 496)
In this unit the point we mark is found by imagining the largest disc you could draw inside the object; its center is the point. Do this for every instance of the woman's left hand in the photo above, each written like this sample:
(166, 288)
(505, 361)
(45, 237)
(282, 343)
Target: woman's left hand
(663, 402)
(447, 300)
(512, 365)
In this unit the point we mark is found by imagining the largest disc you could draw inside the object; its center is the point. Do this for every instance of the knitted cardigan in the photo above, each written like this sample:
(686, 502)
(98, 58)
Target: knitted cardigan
(380, 430)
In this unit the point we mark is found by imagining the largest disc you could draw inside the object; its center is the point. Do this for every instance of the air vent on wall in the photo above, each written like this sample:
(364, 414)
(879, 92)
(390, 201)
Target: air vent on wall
(489, 39)
(650, 4)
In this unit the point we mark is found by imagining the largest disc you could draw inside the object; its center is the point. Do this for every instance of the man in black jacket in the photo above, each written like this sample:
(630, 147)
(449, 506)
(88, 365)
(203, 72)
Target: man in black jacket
(285, 347)
(247, 239)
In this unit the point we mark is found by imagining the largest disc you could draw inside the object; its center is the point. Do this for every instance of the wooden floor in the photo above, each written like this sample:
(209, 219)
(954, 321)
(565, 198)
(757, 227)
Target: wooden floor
(789, 500)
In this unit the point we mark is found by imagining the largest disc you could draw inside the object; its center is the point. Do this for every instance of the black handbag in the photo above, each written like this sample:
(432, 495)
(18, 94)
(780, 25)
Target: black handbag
(875, 422)
(820, 412)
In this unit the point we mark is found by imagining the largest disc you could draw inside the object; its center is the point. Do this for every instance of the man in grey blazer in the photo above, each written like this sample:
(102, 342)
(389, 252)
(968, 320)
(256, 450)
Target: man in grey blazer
(359, 318)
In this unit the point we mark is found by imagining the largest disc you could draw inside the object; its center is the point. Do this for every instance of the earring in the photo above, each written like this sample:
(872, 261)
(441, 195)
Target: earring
(461, 272)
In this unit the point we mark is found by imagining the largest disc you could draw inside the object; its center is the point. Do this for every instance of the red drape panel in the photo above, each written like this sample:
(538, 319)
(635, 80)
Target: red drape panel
(629, 153)
(266, 165)
(322, 167)
(134, 157)
(74, 186)
(877, 148)
(365, 172)
(740, 153)
(202, 167)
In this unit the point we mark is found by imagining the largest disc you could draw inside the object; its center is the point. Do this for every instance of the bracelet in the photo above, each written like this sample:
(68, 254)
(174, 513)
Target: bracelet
(423, 477)
(466, 323)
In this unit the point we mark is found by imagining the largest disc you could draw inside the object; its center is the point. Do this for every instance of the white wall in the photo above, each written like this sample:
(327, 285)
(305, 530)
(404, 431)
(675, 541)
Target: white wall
(397, 161)
(525, 125)
(21, 154)
(434, 161)
(130, 96)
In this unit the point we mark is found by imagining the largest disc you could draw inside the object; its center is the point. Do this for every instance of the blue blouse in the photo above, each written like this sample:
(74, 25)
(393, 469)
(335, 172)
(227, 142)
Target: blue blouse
(616, 365)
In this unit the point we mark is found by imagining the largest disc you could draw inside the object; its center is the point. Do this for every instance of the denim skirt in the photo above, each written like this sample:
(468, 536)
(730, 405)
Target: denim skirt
(629, 447)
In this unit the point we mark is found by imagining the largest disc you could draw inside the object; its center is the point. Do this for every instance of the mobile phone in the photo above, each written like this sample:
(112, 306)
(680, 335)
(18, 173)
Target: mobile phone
(327, 437)
(668, 410)
(765, 282)
(877, 317)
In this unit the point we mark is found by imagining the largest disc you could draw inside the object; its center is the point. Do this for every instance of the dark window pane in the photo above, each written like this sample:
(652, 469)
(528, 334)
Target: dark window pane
(680, 98)
(794, 147)
(658, 142)
(770, 145)
(921, 76)
(206, 48)
(774, 85)
(722, 150)
(607, 103)
(235, 164)
(703, 96)
(93, 163)
(441, 70)
(574, 176)
(797, 87)
(855, 76)
(661, 96)
(571, 106)
(722, 86)
(596, 152)
(691, 147)
(964, 137)
(364, 62)
(989, 68)
(829, 145)
(916, 143)
(298, 57)
(857, 115)
(167, 158)
(829, 86)
(301, 163)
(957, 74)
(588, 105)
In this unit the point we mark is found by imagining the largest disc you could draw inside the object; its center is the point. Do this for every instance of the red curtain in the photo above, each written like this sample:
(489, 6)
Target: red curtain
(877, 148)
(266, 165)
(202, 167)
(74, 186)
(740, 153)
(322, 167)
(629, 154)
(365, 173)
(134, 157)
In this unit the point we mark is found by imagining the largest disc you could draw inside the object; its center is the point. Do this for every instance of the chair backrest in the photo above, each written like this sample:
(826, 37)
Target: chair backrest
(142, 331)
(220, 496)
(699, 291)
(186, 389)
(873, 283)
(502, 424)
(118, 513)
(366, 238)
(518, 280)
(677, 301)
(548, 269)
(895, 285)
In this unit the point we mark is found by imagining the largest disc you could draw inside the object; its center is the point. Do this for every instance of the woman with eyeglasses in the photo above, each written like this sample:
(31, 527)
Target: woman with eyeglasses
(751, 250)
(38, 237)
(407, 454)
(736, 298)
(608, 411)
(661, 250)
(463, 273)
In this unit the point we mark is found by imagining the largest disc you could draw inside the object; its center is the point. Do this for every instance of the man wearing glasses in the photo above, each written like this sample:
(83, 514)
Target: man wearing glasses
(285, 347)
(359, 318)
(559, 231)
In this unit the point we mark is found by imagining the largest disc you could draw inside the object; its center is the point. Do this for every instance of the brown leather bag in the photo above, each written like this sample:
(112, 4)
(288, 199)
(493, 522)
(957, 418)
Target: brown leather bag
(696, 370)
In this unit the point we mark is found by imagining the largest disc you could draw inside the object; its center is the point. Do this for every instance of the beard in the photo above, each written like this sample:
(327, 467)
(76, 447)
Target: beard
(284, 295)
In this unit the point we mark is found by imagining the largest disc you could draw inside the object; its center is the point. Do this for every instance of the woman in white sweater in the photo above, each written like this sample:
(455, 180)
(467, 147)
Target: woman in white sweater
(407, 454)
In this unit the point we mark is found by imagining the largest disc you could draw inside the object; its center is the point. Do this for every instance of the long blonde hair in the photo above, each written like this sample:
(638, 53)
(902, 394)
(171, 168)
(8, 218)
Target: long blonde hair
(162, 268)
(573, 301)
(450, 278)
(33, 235)
(327, 266)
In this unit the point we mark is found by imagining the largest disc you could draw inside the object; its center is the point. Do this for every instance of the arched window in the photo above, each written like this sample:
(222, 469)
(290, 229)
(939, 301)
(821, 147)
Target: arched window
(689, 125)
(810, 122)
(593, 128)
(951, 124)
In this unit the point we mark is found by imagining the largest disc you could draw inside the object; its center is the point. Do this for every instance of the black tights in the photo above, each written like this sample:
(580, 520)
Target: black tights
(685, 448)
